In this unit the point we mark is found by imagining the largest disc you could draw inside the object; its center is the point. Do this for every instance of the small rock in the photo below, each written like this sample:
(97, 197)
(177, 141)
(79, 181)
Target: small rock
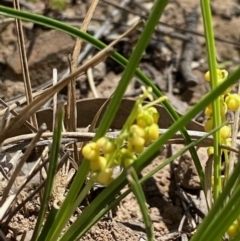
(49, 50)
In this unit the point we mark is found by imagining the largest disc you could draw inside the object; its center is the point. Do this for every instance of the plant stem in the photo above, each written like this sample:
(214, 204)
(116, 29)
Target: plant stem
(207, 19)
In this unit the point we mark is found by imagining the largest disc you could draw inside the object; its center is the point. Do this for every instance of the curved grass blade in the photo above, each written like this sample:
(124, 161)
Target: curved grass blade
(139, 194)
(209, 36)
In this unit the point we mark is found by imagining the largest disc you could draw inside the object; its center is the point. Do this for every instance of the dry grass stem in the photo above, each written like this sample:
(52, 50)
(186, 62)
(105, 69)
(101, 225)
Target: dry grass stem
(24, 63)
(91, 82)
(20, 164)
(55, 78)
(63, 160)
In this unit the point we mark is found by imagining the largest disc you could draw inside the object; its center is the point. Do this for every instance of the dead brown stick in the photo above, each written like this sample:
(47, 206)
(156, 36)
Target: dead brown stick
(189, 50)
(24, 63)
(20, 164)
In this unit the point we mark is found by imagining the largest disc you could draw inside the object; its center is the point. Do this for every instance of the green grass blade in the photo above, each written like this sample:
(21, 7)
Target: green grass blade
(66, 209)
(49, 222)
(209, 36)
(139, 194)
(53, 159)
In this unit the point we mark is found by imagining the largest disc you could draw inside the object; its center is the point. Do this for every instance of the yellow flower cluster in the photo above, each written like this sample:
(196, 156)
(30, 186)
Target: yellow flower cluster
(228, 101)
(140, 130)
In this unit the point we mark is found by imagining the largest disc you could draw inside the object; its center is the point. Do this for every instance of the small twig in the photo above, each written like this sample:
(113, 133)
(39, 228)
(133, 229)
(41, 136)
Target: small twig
(26, 123)
(24, 62)
(188, 214)
(71, 103)
(184, 197)
(6, 20)
(3, 173)
(188, 50)
(35, 191)
(28, 179)
(23, 145)
(91, 82)
(88, 136)
(55, 77)
(20, 164)
(180, 227)
(208, 182)
(18, 103)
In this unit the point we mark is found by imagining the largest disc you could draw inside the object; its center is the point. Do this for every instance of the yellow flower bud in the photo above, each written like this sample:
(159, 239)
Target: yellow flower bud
(228, 142)
(98, 164)
(127, 162)
(152, 133)
(221, 74)
(223, 108)
(233, 101)
(136, 130)
(207, 76)
(136, 144)
(208, 111)
(233, 230)
(105, 145)
(154, 113)
(105, 177)
(208, 125)
(101, 142)
(144, 119)
(225, 132)
(210, 150)
(90, 151)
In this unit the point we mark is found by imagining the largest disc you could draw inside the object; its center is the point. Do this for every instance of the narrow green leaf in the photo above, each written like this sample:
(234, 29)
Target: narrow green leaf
(209, 36)
(139, 194)
(53, 159)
